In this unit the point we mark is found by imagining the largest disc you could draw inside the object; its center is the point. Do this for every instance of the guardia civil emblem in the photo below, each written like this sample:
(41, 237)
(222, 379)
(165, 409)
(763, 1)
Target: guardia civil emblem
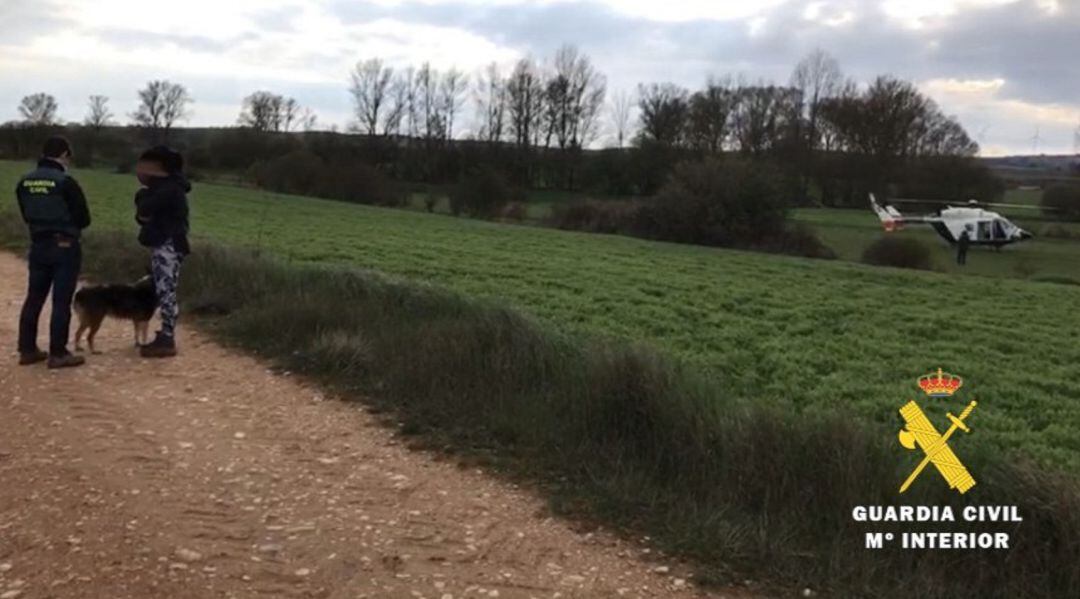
(919, 433)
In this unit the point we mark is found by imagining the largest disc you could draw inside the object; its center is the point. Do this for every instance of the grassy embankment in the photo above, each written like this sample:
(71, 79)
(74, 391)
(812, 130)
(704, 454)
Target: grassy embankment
(745, 449)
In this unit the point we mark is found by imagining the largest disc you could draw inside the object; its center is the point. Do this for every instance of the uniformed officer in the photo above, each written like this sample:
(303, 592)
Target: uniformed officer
(962, 246)
(54, 209)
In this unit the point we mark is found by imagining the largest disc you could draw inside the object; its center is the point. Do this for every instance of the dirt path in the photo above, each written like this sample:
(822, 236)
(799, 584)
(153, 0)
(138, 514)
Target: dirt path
(208, 476)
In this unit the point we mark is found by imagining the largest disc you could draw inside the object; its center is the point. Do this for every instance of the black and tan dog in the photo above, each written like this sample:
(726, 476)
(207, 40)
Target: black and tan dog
(136, 302)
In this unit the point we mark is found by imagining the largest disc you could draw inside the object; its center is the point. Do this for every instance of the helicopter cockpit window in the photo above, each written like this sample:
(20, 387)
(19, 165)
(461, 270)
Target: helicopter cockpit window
(1010, 229)
(999, 229)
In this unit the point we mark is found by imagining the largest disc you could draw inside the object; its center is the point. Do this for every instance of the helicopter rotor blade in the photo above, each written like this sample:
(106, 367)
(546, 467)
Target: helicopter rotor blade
(976, 204)
(1019, 206)
(908, 201)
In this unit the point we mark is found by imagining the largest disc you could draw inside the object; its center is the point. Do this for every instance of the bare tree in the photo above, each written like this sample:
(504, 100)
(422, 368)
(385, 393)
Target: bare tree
(398, 107)
(266, 111)
(893, 121)
(589, 105)
(290, 114)
(818, 78)
(370, 90)
(490, 99)
(709, 118)
(573, 98)
(307, 120)
(622, 107)
(162, 104)
(262, 111)
(831, 134)
(98, 116)
(556, 90)
(525, 98)
(411, 116)
(427, 98)
(39, 109)
(452, 92)
(763, 117)
(664, 108)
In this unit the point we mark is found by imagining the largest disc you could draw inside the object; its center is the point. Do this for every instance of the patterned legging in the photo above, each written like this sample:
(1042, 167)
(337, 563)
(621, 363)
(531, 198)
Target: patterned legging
(165, 262)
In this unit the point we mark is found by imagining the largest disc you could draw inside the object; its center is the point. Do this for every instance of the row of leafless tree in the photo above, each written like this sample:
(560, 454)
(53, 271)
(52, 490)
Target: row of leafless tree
(421, 103)
(560, 104)
(267, 111)
(555, 106)
(162, 104)
(818, 110)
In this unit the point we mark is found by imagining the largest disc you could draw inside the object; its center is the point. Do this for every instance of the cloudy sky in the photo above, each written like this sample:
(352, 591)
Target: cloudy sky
(1006, 68)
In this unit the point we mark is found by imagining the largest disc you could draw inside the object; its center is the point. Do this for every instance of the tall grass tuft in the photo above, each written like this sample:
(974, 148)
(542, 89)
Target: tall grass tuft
(623, 434)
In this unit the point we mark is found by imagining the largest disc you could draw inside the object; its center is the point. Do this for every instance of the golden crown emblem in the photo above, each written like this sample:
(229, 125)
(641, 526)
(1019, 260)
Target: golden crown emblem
(940, 384)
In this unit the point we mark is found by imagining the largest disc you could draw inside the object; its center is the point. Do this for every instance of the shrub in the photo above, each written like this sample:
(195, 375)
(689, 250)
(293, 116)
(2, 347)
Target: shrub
(716, 202)
(797, 240)
(301, 172)
(1062, 201)
(593, 216)
(731, 204)
(359, 183)
(1057, 231)
(294, 173)
(515, 212)
(483, 194)
(900, 252)
(430, 202)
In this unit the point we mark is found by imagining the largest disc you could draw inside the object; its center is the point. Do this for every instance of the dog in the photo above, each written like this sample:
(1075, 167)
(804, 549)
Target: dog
(136, 302)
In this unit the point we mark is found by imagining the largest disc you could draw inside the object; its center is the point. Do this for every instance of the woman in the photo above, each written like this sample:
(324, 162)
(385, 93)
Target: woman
(161, 209)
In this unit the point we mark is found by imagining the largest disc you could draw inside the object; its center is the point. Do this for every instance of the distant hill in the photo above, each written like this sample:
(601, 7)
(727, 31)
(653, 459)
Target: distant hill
(1037, 170)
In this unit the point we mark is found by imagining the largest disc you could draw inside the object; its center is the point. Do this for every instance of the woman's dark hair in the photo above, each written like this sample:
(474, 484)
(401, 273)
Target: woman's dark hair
(168, 158)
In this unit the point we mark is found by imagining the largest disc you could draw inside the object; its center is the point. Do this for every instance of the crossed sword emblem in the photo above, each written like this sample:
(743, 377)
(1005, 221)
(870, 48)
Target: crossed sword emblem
(920, 431)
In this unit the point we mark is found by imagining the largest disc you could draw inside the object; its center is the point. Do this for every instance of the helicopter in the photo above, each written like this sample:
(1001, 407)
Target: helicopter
(984, 228)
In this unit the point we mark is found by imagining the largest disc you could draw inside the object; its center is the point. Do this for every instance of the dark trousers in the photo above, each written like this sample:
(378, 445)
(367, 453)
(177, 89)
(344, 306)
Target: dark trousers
(54, 265)
(961, 256)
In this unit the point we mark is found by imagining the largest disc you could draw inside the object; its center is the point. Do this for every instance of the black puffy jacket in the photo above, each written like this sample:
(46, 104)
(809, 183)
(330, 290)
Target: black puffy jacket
(161, 209)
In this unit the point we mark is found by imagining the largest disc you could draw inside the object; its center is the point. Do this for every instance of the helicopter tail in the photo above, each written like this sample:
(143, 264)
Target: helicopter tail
(890, 217)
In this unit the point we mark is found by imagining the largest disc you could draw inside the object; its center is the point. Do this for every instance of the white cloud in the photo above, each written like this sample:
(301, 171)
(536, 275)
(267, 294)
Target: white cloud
(224, 49)
(318, 46)
(653, 10)
(830, 14)
(918, 14)
(215, 19)
(964, 89)
(987, 96)
(113, 46)
(986, 109)
(690, 10)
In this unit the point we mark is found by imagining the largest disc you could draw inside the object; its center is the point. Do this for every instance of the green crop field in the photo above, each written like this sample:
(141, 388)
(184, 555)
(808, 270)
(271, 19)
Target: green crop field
(803, 334)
